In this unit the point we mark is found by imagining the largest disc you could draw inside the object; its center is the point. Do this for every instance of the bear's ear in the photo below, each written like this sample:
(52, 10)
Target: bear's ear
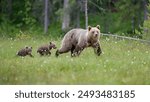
(89, 28)
(98, 26)
(26, 47)
(50, 42)
(31, 47)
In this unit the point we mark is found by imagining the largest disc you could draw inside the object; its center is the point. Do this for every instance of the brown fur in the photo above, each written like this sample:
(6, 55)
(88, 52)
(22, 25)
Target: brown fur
(25, 51)
(77, 39)
(45, 49)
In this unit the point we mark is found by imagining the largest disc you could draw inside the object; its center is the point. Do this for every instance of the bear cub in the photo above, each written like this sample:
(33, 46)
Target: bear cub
(25, 51)
(45, 49)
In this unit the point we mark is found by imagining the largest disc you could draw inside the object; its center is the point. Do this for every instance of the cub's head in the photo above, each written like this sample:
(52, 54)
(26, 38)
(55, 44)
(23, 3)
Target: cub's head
(52, 45)
(28, 50)
(94, 32)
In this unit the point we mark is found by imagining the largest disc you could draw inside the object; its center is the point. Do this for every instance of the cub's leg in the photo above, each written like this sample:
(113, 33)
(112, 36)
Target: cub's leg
(30, 55)
(48, 53)
(41, 53)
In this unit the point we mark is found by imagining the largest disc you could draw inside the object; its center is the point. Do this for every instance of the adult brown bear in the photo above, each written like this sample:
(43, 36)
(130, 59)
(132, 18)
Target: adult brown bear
(77, 39)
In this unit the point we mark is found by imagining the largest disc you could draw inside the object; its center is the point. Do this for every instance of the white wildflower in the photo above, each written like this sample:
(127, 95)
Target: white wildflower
(45, 62)
(86, 63)
(132, 62)
(41, 65)
(71, 59)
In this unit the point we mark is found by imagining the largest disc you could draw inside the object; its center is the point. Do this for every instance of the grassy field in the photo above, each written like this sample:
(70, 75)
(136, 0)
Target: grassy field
(122, 62)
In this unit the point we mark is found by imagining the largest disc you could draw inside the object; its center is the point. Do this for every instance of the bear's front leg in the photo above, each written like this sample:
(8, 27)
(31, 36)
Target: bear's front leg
(97, 48)
(99, 51)
(30, 55)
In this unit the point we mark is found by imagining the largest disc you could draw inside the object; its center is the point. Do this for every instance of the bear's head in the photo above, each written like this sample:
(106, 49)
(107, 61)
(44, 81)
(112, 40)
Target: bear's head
(52, 45)
(94, 32)
(28, 50)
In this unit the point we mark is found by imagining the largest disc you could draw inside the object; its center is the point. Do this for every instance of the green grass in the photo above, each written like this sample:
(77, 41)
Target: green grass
(122, 62)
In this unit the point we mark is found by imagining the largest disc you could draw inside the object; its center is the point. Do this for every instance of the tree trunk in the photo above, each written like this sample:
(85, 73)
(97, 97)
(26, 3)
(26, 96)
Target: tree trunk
(145, 3)
(78, 14)
(145, 9)
(46, 17)
(66, 16)
(9, 2)
(86, 14)
(133, 25)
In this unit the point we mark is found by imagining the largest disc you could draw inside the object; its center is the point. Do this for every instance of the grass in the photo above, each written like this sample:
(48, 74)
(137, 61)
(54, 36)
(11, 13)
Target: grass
(122, 62)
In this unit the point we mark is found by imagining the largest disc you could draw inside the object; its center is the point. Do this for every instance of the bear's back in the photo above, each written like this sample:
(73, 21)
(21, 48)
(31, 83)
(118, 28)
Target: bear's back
(22, 52)
(75, 33)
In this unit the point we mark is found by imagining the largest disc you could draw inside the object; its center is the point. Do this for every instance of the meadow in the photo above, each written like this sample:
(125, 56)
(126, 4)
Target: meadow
(122, 62)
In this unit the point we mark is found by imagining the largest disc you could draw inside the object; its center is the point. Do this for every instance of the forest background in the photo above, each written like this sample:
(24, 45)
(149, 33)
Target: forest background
(55, 17)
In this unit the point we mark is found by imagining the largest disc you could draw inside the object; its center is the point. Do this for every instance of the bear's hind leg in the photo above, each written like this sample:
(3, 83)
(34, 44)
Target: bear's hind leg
(77, 51)
(41, 53)
(72, 50)
(48, 53)
(57, 53)
(61, 51)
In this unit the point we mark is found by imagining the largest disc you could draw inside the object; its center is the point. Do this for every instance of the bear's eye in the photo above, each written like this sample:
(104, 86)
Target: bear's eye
(93, 32)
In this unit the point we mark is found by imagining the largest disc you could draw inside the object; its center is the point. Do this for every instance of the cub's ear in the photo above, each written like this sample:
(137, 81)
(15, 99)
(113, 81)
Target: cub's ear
(98, 26)
(89, 28)
(31, 47)
(50, 42)
(26, 47)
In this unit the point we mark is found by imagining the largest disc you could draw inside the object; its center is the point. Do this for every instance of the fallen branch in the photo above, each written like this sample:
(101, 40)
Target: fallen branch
(124, 37)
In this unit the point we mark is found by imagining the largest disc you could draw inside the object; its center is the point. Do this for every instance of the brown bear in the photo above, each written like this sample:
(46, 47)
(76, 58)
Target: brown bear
(25, 51)
(77, 39)
(45, 49)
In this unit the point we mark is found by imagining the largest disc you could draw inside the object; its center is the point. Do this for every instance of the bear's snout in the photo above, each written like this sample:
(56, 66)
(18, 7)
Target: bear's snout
(96, 35)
